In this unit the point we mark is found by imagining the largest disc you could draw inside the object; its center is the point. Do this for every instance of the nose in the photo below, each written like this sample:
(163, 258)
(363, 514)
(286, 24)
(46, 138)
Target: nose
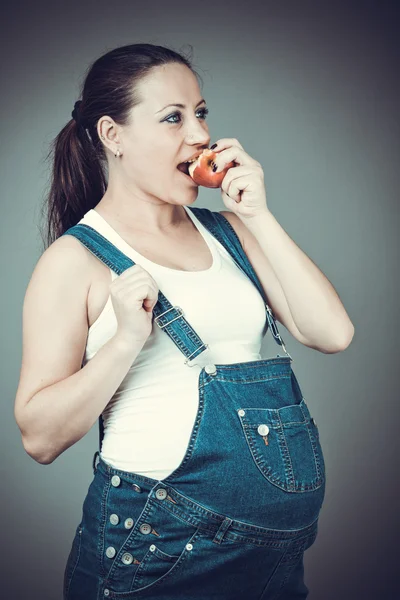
(198, 135)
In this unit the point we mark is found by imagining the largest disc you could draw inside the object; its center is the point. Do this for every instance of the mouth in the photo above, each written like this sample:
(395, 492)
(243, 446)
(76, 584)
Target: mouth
(188, 178)
(184, 166)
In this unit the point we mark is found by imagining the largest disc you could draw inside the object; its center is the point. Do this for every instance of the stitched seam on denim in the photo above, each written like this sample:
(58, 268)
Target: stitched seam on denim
(138, 576)
(127, 546)
(257, 364)
(289, 484)
(164, 555)
(183, 517)
(290, 564)
(109, 246)
(287, 460)
(261, 463)
(244, 381)
(127, 476)
(195, 506)
(253, 529)
(187, 351)
(242, 539)
(190, 519)
(181, 560)
(78, 553)
(298, 487)
(316, 451)
(102, 526)
(100, 256)
(134, 533)
(302, 534)
(193, 437)
(277, 566)
(285, 578)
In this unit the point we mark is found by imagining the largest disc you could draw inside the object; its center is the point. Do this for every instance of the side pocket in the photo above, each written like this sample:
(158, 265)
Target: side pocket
(284, 443)
(72, 560)
(157, 567)
(153, 566)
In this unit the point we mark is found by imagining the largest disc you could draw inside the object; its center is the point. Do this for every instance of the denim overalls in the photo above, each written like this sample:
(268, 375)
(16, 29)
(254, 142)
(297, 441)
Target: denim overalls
(232, 522)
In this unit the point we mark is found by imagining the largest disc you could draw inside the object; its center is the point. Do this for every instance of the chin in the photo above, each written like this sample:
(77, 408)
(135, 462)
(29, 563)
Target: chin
(189, 197)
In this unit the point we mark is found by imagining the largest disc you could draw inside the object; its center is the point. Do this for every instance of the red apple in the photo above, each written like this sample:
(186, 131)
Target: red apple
(201, 171)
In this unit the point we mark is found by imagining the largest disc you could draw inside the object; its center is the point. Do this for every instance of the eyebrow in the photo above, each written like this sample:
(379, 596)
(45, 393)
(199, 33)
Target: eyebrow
(180, 105)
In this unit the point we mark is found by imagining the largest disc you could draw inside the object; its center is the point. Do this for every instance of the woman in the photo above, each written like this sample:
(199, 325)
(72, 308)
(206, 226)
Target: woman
(210, 479)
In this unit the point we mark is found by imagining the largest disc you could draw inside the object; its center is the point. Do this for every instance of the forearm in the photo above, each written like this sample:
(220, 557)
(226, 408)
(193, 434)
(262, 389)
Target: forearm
(314, 304)
(58, 416)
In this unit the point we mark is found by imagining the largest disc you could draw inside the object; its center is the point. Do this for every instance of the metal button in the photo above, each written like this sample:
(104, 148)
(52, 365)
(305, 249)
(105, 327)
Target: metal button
(106, 592)
(111, 552)
(115, 480)
(127, 558)
(263, 429)
(210, 369)
(128, 523)
(241, 413)
(152, 548)
(145, 528)
(114, 519)
(136, 487)
(189, 547)
(161, 493)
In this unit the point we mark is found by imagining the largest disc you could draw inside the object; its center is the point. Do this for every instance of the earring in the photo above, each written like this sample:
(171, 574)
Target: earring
(118, 153)
(103, 138)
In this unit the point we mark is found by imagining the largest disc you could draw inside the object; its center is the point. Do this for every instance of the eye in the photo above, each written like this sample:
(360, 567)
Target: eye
(203, 111)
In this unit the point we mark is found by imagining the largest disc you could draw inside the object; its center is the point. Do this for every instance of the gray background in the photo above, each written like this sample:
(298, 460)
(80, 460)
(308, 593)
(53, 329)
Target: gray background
(310, 89)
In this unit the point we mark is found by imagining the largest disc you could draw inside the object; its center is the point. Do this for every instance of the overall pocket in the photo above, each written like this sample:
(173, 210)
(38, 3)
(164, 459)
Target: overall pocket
(154, 566)
(156, 545)
(72, 560)
(284, 444)
(158, 573)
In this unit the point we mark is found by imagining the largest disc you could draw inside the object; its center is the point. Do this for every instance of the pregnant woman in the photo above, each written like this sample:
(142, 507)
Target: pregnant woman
(147, 314)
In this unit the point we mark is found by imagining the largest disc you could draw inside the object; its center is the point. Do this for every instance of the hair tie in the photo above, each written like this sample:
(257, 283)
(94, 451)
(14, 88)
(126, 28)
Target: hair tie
(76, 113)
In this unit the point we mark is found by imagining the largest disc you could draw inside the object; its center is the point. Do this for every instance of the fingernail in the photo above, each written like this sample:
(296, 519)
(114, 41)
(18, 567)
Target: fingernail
(213, 146)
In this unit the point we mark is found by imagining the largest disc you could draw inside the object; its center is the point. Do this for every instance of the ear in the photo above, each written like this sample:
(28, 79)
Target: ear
(109, 130)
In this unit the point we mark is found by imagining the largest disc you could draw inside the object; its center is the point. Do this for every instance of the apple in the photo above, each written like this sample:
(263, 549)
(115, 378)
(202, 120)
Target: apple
(201, 171)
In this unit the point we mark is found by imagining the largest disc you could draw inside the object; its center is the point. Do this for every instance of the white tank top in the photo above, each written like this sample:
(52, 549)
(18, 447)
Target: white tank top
(149, 420)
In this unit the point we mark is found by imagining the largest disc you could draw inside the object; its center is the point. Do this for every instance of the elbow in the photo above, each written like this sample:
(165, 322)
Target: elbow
(342, 343)
(37, 452)
(347, 338)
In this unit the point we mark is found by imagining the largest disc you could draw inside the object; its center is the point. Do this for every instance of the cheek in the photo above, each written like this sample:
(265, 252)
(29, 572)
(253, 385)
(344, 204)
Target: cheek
(153, 161)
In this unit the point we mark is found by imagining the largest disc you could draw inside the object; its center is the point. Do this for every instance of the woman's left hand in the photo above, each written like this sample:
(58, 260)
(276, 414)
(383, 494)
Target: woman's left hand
(242, 189)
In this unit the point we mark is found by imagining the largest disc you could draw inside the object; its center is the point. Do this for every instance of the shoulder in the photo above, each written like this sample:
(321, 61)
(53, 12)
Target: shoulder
(66, 252)
(66, 262)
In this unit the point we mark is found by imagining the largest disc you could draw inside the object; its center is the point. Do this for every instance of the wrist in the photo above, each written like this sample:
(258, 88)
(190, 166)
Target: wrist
(126, 344)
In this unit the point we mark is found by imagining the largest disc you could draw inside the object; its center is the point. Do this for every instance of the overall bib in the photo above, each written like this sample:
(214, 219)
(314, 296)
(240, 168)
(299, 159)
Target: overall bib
(232, 522)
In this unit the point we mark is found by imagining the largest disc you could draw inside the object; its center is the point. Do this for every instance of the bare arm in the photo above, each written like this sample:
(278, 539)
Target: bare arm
(57, 401)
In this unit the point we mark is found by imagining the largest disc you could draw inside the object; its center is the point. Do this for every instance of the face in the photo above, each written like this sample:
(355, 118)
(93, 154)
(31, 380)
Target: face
(157, 139)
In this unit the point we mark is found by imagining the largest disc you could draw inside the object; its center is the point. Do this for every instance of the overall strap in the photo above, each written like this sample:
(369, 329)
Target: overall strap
(223, 231)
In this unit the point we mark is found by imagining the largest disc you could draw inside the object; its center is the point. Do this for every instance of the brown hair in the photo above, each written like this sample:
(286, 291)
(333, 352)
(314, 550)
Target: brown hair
(78, 173)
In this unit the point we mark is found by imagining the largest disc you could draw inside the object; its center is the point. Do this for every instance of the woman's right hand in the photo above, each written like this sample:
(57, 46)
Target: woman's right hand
(133, 295)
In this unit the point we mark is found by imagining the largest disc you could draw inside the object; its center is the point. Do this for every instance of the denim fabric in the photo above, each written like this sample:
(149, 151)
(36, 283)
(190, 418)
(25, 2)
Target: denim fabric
(232, 522)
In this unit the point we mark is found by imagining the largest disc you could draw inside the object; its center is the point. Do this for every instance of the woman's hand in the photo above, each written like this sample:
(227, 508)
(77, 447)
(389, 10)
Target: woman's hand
(133, 295)
(242, 189)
